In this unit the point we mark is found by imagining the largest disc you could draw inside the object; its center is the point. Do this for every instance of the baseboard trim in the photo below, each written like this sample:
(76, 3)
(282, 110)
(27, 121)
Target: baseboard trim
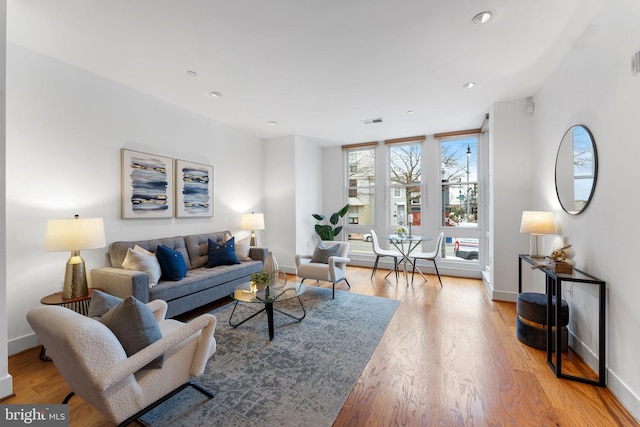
(21, 344)
(6, 386)
(624, 394)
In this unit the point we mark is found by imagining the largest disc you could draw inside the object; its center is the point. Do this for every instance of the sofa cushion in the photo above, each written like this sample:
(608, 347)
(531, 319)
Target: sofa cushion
(101, 303)
(139, 259)
(222, 253)
(321, 254)
(172, 263)
(135, 326)
(204, 278)
(118, 250)
(197, 245)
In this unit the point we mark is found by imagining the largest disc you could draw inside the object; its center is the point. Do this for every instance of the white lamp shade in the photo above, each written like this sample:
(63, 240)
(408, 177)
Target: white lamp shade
(537, 223)
(252, 221)
(74, 234)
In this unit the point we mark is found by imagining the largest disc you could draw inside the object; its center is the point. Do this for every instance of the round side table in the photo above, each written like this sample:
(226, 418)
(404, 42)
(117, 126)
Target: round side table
(79, 305)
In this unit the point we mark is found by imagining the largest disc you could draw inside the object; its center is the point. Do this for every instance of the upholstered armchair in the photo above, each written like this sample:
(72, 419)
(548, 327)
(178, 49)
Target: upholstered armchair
(95, 366)
(328, 264)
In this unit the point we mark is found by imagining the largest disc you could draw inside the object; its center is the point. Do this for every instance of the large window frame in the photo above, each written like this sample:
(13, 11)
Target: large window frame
(429, 200)
(361, 190)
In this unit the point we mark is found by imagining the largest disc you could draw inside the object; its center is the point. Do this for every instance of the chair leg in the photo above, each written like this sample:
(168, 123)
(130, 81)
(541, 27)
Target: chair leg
(437, 272)
(375, 267)
(157, 403)
(413, 270)
(333, 286)
(68, 398)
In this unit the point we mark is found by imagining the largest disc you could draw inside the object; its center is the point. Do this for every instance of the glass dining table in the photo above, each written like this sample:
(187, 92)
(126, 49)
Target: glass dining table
(405, 244)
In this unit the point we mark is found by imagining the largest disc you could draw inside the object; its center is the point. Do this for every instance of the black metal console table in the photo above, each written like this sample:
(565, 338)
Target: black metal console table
(554, 288)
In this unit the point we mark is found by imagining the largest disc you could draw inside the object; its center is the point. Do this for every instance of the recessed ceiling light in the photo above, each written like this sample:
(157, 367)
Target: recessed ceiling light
(272, 122)
(216, 94)
(410, 112)
(192, 73)
(482, 17)
(371, 121)
(468, 85)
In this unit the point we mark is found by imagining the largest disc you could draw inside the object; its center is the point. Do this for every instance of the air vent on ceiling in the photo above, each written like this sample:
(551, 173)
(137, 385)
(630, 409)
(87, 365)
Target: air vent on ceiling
(371, 121)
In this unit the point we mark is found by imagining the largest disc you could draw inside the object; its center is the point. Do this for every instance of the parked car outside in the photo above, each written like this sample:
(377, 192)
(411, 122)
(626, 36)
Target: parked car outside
(466, 248)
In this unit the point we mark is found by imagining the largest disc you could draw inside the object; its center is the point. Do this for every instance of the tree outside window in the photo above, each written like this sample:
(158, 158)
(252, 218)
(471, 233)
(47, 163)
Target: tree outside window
(405, 172)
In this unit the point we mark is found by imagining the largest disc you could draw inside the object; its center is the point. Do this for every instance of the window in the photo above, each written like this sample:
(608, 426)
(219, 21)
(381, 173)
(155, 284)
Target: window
(405, 175)
(361, 190)
(434, 184)
(459, 169)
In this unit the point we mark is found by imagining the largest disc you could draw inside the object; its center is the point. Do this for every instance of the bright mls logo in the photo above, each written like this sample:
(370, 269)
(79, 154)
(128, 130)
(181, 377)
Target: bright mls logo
(35, 415)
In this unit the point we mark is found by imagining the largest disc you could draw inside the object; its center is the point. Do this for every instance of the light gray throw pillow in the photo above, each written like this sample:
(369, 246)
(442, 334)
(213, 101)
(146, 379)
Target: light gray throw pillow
(101, 303)
(135, 326)
(321, 255)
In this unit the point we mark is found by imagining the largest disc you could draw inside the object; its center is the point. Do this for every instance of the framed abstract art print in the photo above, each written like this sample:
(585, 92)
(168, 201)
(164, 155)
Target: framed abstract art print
(194, 189)
(147, 185)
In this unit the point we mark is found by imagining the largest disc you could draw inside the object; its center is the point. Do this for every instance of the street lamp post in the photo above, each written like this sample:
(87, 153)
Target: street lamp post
(468, 157)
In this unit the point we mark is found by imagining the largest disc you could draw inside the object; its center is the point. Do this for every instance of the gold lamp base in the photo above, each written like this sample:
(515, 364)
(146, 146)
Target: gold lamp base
(75, 278)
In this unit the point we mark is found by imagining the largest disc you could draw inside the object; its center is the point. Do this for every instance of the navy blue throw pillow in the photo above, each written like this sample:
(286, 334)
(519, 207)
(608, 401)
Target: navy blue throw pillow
(222, 253)
(171, 263)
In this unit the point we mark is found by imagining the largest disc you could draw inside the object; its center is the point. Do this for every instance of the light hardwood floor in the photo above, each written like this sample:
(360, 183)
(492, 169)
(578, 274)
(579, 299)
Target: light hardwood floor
(448, 358)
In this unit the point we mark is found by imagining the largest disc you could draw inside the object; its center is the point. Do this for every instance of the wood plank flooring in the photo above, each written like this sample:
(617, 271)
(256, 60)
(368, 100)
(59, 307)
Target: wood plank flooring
(448, 358)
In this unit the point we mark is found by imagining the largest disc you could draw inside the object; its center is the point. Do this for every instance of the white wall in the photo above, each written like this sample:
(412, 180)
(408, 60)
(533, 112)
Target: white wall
(594, 86)
(511, 165)
(309, 184)
(65, 129)
(6, 382)
(280, 199)
(293, 192)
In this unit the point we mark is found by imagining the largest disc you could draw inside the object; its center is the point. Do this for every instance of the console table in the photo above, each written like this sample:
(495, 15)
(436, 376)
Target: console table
(554, 288)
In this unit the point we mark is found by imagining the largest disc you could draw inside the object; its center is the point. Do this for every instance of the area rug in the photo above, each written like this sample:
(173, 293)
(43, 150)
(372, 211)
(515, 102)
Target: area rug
(301, 378)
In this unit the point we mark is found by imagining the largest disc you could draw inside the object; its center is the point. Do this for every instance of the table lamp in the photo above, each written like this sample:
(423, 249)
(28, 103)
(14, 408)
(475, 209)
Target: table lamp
(253, 222)
(74, 234)
(536, 223)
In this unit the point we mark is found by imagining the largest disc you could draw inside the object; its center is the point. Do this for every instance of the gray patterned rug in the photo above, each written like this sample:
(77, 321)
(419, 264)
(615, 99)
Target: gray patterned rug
(301, 378)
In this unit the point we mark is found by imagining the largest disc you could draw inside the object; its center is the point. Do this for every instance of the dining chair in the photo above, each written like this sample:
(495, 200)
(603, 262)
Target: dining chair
(381, 253)
(428, 256)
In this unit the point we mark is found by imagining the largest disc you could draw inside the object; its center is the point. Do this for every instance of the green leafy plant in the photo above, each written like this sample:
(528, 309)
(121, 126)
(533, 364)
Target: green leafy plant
(327, 230)
(260, 278)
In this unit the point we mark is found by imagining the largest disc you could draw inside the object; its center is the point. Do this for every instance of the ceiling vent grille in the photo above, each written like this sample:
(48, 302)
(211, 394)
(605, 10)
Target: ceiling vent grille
(371, 121)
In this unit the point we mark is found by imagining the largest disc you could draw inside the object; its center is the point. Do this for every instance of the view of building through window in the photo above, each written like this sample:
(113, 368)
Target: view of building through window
(361, 187)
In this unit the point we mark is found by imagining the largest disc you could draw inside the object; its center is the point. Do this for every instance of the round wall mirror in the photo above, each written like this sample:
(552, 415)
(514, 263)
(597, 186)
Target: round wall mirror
(576, 169)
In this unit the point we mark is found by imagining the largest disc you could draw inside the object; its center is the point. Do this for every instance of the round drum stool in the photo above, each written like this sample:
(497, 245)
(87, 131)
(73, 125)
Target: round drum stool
(531, 323)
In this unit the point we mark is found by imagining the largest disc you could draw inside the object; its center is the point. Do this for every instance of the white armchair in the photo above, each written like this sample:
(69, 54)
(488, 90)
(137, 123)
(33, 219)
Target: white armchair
(332, 271)
(95, 366)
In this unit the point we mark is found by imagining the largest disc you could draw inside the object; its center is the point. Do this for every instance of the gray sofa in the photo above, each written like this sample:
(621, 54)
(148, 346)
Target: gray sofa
(200, 286)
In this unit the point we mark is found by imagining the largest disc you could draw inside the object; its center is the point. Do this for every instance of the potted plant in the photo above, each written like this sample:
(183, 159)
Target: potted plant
(259, 281)
(327, 231)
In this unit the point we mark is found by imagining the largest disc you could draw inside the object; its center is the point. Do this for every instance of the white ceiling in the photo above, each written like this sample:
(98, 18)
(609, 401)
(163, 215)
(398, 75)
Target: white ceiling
(316, 67)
